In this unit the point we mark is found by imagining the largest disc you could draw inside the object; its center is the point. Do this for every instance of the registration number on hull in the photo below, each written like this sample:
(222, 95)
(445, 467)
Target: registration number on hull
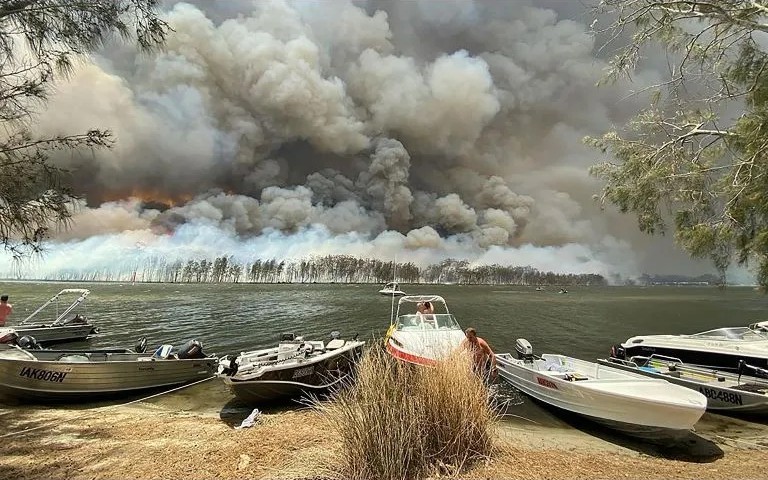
(727, 397)
(41, 374)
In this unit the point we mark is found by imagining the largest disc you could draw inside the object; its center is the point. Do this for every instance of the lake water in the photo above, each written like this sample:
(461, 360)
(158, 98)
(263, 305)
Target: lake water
(229, 318)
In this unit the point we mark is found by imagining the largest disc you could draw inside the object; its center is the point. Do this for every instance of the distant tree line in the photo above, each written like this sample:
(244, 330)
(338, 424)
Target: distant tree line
(327, 269)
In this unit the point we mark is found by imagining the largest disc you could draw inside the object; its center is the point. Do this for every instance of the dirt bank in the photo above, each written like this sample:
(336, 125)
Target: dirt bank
(151, 441)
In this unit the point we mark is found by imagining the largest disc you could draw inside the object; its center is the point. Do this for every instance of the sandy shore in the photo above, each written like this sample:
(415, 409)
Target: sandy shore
(151, 440)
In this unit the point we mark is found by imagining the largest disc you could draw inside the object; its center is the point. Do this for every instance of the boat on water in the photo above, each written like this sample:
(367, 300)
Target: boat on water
(625, 401)
(64, 327)
(392, 289)
(48, 375)
(726, 392)
(292, 369)
(423, 339)
(721, 349)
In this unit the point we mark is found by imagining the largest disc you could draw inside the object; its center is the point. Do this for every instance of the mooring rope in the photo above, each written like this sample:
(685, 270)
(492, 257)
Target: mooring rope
(103, 409)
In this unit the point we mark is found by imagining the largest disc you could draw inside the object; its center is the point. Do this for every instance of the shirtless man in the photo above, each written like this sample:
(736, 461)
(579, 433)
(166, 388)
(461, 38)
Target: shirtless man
(5, 309)
(483, 359)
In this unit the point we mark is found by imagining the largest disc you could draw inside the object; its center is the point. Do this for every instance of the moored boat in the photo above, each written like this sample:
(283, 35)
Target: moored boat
(628, 402)
(69, 375)
(721, 348)
(392, 289)
(64, 327)
(291, 370)
(423, 339)
(726, 392)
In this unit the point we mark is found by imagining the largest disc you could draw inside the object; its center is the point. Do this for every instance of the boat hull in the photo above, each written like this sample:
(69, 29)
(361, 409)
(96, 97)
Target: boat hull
(54, 381)
(294, 380)
(640, 414)
(44, 334)
(425, 347)
(719, 398)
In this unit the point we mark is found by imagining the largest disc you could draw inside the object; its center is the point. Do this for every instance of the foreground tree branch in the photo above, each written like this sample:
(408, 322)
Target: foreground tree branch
(687, 156)
(39, 39)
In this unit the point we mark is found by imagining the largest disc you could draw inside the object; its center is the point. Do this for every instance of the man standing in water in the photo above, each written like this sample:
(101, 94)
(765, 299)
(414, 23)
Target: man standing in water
(5, 309)
(483, 359)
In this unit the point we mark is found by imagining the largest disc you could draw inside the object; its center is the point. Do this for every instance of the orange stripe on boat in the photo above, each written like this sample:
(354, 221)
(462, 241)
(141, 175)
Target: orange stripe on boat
(408, 357)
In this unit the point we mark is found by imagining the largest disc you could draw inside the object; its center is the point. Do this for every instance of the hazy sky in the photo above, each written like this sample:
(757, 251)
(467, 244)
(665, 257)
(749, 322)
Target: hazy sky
(416, 130)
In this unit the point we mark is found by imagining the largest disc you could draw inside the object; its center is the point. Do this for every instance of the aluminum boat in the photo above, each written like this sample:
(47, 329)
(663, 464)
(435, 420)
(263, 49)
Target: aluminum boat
(65, 325)
(726, 392)
(626, 401)
(82, 375)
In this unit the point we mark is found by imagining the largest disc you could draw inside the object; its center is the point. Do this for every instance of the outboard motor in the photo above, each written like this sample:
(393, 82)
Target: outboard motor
(191, 349)
(617, 351)
(287, 337)
(76, 320)
(228, 365)
(28, 342)
(524, 350)
(141, 347)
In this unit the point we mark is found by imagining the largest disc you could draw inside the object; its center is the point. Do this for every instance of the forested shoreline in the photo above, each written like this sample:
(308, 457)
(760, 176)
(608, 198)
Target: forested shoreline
(327, 269)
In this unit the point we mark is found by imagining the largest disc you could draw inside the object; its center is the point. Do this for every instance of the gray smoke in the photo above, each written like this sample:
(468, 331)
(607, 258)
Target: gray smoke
(448, 128)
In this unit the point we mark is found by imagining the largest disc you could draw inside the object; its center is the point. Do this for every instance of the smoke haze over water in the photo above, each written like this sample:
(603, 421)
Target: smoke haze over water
(415, 130)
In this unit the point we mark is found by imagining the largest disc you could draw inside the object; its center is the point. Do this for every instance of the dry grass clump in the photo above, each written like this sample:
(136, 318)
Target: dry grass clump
(399, 421)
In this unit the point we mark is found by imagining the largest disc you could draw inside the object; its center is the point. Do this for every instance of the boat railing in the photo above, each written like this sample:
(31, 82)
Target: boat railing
(433, 321)
(626, 363)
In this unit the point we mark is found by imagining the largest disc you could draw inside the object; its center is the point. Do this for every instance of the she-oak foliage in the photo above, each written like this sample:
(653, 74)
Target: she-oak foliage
(39, 40)
(688, 153)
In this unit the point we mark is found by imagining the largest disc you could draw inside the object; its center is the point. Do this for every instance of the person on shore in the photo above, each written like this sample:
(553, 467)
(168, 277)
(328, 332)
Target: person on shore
(483, 359)
(5, 309)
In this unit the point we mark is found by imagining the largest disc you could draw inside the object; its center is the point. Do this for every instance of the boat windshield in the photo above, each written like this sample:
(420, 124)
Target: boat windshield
(733, 333)
(437, 321)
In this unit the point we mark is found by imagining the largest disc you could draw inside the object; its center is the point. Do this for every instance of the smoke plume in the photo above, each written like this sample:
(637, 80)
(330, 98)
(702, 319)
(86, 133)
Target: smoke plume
(409, 130)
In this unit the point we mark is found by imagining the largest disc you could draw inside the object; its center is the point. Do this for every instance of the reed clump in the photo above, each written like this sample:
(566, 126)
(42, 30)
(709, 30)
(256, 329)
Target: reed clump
(399, 421)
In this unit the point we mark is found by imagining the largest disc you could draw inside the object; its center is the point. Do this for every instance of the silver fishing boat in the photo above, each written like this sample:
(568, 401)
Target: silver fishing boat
(291, 370)
(69, 375)
(64, 326)
(726, 392)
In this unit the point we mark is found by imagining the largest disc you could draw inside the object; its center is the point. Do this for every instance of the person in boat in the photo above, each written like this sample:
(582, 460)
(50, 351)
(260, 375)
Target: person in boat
(425, 313)
(483, 359)
(5, 309)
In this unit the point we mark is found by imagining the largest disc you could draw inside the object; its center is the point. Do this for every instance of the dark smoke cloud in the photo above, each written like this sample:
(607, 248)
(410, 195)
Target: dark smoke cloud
(424, 129)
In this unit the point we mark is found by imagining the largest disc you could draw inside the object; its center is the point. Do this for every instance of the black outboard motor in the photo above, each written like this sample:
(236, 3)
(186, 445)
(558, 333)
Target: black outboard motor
(28, 342)
(617, 351)
(524, 350)
(287, 337)
(76, 320)
(141, 346)
(191, 349)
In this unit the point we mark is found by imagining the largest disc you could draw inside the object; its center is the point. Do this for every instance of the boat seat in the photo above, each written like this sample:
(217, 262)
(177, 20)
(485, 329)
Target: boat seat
(334, 344)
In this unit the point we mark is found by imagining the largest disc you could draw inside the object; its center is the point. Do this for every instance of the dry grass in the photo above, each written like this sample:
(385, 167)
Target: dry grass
(399, 421)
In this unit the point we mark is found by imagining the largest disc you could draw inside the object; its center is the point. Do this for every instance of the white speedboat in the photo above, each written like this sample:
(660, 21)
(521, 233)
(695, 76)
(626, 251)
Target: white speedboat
(392, 289)
(720, 349)
(64, 326)
(626, 401)
(423, 339)
(294, 368)
(725, 392)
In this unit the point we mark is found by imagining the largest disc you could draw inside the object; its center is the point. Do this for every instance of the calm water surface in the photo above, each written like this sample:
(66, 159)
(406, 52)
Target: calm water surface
(231, 318)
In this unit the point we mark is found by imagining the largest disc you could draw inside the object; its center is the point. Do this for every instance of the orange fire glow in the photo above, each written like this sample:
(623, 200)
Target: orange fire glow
(149, 196)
